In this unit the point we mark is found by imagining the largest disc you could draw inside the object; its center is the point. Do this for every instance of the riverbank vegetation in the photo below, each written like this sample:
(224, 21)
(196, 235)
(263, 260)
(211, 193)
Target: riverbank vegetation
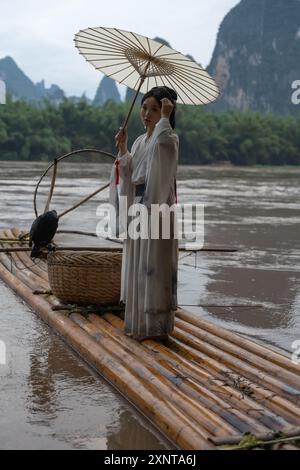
(31, 132)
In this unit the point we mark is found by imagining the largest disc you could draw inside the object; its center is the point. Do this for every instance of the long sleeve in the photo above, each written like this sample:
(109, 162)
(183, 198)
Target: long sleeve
(162, 167)
(121, 195)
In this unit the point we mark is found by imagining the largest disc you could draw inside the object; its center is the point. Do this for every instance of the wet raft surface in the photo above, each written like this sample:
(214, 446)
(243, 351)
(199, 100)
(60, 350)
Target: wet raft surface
(205, 386)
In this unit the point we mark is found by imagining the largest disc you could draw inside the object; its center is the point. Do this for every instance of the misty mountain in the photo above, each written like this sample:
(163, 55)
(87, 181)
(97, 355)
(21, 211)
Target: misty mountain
(19, 86)
(256, 58)
(106, 91)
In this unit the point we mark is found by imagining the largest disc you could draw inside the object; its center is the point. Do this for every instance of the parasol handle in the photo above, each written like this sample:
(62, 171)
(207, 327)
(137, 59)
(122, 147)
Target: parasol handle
(133, 102)
(143, 78)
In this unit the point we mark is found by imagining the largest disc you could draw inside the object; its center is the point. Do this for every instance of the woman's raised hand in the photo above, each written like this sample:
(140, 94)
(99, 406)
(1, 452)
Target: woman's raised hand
(122, 140)
(166, 108)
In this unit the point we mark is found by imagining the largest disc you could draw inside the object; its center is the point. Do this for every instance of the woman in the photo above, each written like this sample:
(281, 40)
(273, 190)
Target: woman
(147, 176)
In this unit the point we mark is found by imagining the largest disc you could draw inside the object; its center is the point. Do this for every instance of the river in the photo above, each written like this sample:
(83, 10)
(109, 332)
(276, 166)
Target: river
(49, 399)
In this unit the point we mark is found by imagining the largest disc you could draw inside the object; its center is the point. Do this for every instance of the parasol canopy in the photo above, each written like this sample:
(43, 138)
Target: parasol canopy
(141, 63)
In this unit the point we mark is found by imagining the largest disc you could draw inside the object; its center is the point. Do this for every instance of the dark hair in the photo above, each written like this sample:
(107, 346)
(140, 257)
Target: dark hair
(160, 92)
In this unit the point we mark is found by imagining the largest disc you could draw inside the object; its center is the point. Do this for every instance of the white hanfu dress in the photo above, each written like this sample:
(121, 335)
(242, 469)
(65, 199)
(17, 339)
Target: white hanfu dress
(149, 266)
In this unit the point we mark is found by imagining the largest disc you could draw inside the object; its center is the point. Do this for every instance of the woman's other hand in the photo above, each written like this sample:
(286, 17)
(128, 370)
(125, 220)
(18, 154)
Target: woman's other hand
(166, 108)
(122, 140)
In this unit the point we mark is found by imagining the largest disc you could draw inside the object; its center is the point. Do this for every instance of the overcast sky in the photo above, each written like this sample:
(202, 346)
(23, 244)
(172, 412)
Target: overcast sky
(39, 34)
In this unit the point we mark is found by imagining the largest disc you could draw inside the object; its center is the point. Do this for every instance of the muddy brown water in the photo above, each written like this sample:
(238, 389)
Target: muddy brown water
(49, 399)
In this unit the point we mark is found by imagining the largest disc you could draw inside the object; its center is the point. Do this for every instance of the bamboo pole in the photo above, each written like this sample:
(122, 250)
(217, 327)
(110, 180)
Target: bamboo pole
(281, 406)
(120, 242)
(27, 261)
(14, 249)
(238, 351)
(212, 384)
(53, 180)
(239, 366)
(162, 367)
(284, 404)
(256, 444)
(77, 232)
(63, 248)
(69, 154)
(231, 440)
(194, 412)
(237, 339)
(28, 279)
(83, 201)
(72, 248)
(224, 306)
(240, 418)
(12, 241)
(142, 79)
(42, 265)
(161, 413)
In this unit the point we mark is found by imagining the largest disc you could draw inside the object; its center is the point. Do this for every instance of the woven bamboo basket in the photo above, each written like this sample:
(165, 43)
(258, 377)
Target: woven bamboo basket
(85, 277)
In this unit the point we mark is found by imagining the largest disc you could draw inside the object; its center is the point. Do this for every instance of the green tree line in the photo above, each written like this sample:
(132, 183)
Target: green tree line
(30, 133)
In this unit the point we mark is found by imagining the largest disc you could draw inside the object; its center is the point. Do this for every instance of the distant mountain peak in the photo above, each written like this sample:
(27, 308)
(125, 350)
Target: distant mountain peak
(106, 91)
(8, 61)
(19, 86)
(255, 60)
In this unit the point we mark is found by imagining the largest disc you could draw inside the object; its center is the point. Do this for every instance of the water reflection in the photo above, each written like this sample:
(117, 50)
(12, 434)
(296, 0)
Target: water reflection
(129, 437)
(60, 391)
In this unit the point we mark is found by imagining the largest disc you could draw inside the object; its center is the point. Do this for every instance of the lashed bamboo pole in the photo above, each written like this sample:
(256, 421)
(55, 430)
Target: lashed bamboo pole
(212, 384)
(27, 261)
(164, 368)
(63, 248)
(239, 366)
(231, 440)
(74, 248)
(238, 351)
(194, 412)
(223, 411)
(42, 265)
(237, 339)
(38, 269)
(283, 442)
(160, 412)
(209, 249)
(31, 279)
(27, 278)
(8, 249)
(278, 404)
(25, 267)
(13, 240)
(71, 248)
(31, 283)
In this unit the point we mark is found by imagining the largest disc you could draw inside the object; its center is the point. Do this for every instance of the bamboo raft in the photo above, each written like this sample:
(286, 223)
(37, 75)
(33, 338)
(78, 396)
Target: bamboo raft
(204, 390)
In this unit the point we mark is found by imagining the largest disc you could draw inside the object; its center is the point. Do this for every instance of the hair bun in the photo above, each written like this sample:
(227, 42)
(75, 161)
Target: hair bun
(172, 93)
